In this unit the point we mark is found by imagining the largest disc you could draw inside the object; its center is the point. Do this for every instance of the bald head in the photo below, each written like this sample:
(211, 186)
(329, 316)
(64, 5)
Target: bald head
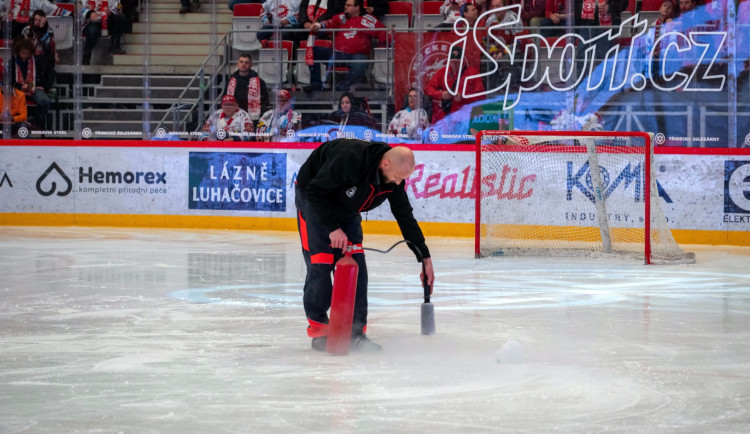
(397, 164)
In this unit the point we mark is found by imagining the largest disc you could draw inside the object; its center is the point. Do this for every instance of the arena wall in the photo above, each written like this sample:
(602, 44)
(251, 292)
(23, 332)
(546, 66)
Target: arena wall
(705, 192)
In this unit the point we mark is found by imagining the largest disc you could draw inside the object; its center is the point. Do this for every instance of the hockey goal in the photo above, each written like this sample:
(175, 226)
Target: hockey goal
(570, 193)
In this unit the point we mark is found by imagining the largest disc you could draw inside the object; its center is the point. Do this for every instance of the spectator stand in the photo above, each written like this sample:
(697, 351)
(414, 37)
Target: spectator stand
(246, 21)
(273, 65)
(63, 27)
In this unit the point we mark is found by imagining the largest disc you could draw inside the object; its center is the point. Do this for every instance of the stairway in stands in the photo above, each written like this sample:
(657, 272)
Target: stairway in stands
(176, 39)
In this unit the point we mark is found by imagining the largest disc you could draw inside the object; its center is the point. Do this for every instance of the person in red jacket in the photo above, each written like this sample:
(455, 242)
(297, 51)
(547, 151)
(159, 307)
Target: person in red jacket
(443, 102)
(354, 45)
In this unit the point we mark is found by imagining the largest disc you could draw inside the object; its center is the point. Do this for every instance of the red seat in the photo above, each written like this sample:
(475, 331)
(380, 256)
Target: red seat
(651, 5)
(431, 7)
(286, 45)
(401, 8)
(67, 6)
(247, 10)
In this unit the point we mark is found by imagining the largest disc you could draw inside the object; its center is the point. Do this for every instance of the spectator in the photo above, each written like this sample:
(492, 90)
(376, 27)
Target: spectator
(45, 55)
(352, 46)
(532, 13)
(443, 102)
(376, 8)
(594, 17)
(18, 111)
(668, 11)
(451, 11)
(192, 5)
(95, 14)
(19, 12)
(285, 17)
(469, 11)
(310, 9)
(409, 122)
(230, 123)
(556, 16)
(508, 35)
(279, 122)
(248, 89)
(27, 80)
(350, 112)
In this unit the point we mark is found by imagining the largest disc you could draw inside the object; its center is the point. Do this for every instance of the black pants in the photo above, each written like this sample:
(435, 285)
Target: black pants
(93, 31)
(320, 259)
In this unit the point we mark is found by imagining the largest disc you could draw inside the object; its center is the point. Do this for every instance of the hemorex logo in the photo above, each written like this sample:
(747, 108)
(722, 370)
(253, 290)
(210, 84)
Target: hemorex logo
(631, 175)
(737, 187)
(46, 185)
(120, 181)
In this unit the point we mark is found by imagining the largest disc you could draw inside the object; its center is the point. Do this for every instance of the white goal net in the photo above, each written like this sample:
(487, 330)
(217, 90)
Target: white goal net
(570, 193)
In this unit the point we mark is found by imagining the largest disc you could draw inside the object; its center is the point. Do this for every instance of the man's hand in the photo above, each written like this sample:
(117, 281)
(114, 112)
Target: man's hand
(338, 239)
(446, 95)
(430, 273)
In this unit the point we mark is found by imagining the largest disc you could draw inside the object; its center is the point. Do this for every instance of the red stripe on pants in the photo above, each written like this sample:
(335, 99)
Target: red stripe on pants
(303, 232)
(316, 329)
(322, 258)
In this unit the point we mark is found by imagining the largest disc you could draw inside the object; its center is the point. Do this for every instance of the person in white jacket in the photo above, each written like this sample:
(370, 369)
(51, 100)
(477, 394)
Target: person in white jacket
(279, 122)
(286, 17)
(229, 123)
(409, 122)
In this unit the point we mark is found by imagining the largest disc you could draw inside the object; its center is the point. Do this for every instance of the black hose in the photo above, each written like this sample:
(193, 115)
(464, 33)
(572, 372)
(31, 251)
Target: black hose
(416, 250)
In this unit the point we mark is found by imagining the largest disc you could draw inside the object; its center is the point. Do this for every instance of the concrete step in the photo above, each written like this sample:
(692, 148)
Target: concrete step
(173, 7)
(172, 17)
(158, 49)
(167, 27)
(171, 38)
(124, 115)
(162, 60)
(120, 93)
(155, 81)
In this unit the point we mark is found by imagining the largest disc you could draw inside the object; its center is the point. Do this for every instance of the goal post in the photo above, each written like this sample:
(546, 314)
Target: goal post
(570, 193)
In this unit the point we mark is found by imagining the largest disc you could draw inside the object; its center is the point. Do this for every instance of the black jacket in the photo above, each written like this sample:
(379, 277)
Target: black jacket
(240, 91)
(341, 178)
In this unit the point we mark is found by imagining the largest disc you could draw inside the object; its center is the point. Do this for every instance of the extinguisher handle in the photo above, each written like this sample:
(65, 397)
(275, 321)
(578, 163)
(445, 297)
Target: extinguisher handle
(425, 284)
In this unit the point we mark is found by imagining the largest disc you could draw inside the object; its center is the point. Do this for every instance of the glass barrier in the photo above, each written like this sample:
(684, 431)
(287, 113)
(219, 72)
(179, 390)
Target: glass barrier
(419, 72)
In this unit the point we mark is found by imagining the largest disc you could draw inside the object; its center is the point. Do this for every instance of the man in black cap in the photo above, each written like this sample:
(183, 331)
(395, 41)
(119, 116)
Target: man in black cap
(341, 179)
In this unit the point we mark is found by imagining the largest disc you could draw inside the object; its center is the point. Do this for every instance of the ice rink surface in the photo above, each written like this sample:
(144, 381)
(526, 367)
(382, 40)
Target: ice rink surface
(167, 331)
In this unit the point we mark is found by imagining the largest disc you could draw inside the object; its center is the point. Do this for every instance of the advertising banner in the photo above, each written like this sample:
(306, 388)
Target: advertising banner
(237, 181)
(697, 191)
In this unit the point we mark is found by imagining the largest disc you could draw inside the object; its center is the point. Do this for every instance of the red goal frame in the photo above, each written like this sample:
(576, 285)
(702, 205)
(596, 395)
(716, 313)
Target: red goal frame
(647, 150)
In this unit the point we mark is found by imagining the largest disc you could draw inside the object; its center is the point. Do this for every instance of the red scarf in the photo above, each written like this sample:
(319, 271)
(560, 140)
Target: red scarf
(22, 13)
(253, 95)
(313, 15)
(30, 73)
(253, 98)
(589, 8)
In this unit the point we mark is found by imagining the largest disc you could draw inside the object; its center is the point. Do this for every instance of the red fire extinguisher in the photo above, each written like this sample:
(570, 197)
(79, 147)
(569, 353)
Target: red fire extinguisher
(342, 304)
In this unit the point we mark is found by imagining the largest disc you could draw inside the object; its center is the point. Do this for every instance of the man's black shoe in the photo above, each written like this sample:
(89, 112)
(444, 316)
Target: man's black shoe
(319, 343)
(311, 89)
(362, 344)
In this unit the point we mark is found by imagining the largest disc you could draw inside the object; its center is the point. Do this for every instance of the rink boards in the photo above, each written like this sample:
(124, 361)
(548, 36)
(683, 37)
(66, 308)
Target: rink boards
(705, 193)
